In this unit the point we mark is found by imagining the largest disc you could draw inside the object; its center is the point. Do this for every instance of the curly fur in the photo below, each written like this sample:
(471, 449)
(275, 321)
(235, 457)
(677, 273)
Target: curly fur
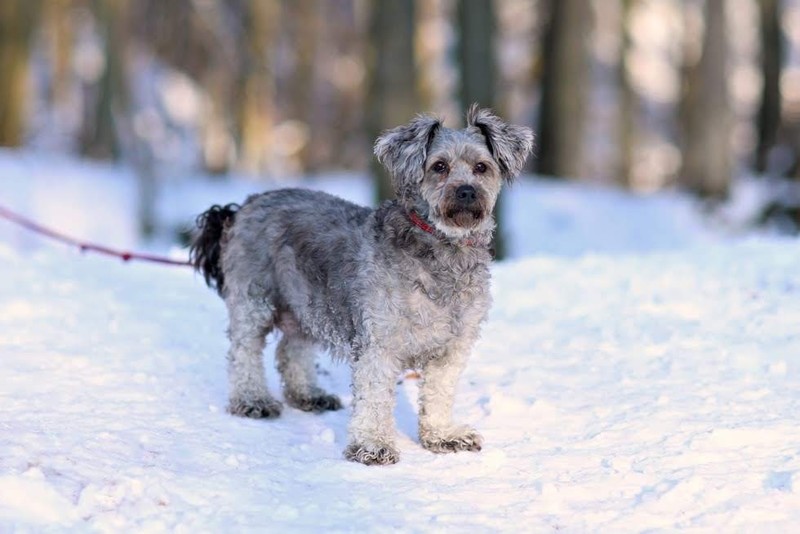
(508, 143)
(370, 286)
(206, 247)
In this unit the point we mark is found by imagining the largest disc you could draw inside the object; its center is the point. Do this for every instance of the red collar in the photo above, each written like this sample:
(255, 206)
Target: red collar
(419, 223)
(425, 227)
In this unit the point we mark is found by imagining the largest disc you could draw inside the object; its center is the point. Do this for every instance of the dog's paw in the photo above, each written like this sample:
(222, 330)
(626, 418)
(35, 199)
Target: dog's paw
(316, 403)
(372, 454)
(259, 408)
(459, 439)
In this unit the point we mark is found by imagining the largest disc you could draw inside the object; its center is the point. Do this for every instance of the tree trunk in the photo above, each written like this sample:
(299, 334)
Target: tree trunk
(707, 156)
(337, 118)
(626, 125)
(256, 87)
(476, 26)
(564, 80)
(769, 113)
(109, 132)
(476, 56)
(109, 97)
(302, 19)
(60, 32)
(392, 98)
(17, 21)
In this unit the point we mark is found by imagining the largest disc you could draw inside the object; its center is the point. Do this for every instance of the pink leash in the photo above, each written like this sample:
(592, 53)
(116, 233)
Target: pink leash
(19, 220)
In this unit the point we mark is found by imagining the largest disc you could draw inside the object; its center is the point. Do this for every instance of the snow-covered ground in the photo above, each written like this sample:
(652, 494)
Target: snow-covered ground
(638, 372)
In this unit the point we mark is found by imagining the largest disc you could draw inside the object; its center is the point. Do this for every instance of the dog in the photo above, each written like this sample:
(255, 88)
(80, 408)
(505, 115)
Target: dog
(402, 286)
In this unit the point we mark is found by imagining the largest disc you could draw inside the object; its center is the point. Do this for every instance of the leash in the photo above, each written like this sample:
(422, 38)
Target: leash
(126, 256)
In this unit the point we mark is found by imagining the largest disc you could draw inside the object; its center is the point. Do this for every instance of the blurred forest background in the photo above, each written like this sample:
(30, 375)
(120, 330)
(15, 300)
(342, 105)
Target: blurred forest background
(642, 94)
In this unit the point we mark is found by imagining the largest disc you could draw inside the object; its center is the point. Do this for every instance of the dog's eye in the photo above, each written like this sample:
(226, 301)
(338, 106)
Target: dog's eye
(440, 167)
(480, 167)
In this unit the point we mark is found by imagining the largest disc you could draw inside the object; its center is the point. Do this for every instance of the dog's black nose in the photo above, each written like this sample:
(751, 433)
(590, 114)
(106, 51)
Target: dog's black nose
(466, 194)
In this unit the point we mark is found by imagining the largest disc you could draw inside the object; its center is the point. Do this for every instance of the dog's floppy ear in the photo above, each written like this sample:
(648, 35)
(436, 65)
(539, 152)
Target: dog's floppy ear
(509, 144)
(403, 150)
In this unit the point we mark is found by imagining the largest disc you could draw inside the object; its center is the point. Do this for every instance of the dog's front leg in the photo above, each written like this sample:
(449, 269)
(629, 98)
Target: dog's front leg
(437, 432)
(372, 429)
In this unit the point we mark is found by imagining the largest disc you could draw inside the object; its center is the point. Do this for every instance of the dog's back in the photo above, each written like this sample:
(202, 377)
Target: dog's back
(308, 221)
(291, 250)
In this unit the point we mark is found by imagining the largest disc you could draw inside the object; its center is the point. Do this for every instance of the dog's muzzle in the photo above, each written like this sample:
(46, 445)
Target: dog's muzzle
(465, 208)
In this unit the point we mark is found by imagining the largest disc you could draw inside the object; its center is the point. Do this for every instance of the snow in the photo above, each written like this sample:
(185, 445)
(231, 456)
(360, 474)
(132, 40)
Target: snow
(568, 219)
(638, 372)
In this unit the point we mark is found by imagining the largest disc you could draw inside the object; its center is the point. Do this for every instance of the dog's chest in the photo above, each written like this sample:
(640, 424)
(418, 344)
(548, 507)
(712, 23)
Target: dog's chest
(426, 311)
(448, 293)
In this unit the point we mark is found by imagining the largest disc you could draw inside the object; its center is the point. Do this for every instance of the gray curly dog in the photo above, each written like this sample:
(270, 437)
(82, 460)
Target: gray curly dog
(403, 286)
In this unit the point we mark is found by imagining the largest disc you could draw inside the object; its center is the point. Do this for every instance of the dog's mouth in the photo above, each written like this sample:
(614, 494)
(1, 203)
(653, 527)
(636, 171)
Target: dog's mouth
(464, 217)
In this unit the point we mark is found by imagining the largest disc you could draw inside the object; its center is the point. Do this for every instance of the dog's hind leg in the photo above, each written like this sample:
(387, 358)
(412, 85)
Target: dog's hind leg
(294, 359)
(249, 326)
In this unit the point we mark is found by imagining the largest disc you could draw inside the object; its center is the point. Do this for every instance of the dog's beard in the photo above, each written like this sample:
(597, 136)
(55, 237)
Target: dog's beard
(464, 217)
(459, 221)
(453, 218)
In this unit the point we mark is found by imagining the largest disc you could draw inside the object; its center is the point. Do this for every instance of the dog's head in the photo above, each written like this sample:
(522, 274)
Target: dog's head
(453, 177)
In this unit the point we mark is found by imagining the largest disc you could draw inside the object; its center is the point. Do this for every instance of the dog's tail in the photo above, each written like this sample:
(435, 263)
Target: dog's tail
(206, 247)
